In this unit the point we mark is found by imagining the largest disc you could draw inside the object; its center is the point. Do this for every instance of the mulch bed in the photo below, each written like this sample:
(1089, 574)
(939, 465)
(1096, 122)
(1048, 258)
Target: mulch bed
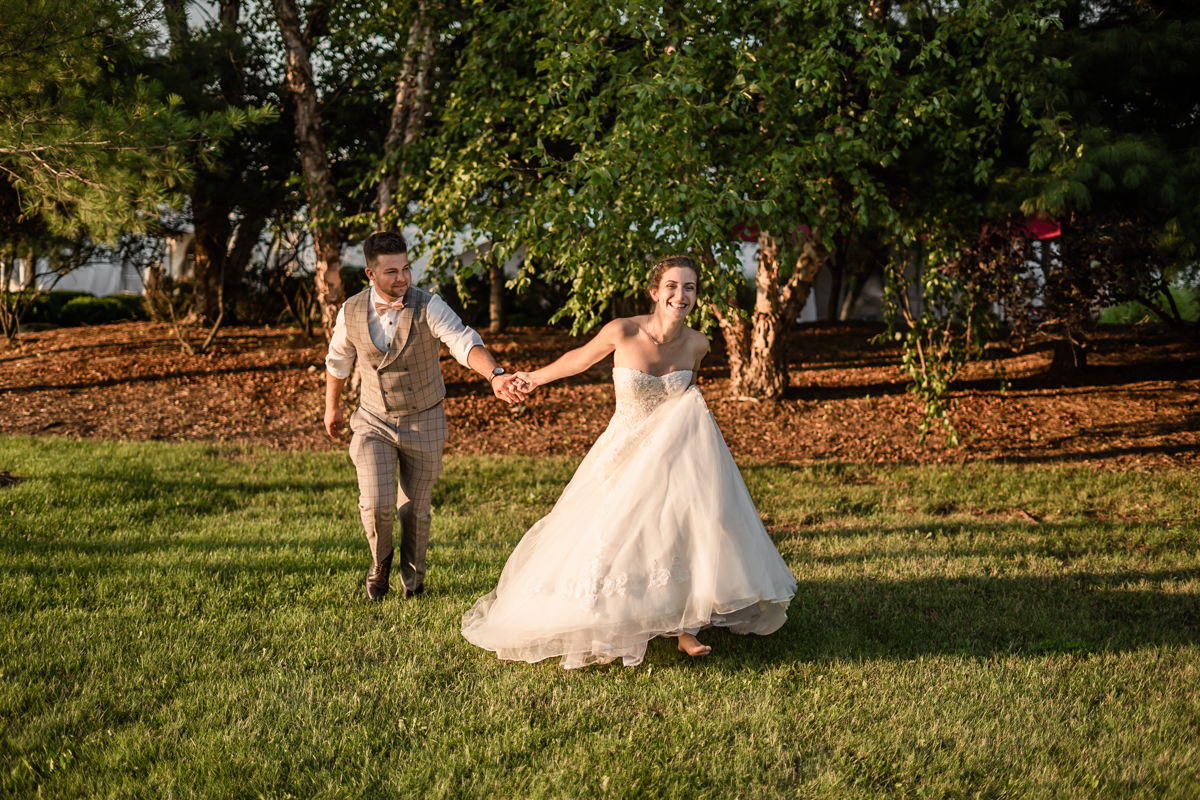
(1136, 407)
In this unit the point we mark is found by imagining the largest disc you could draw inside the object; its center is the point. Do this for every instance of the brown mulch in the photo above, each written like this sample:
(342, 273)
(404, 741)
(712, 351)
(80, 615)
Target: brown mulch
(1136, 407)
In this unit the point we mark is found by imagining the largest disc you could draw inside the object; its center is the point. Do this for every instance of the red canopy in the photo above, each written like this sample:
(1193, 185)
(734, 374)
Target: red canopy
(1043, 229)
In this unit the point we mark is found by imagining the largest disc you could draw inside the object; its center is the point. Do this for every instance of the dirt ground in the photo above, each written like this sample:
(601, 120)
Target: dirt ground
(1136, 407)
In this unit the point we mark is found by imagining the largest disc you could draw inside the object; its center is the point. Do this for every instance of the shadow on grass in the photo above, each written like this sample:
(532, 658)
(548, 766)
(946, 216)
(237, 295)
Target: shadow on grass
(1001, 544)
(1091, 455)
(979, 617)
(849, 620)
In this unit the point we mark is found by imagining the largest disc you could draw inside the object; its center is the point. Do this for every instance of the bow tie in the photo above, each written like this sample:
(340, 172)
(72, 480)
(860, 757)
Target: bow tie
(383, 308)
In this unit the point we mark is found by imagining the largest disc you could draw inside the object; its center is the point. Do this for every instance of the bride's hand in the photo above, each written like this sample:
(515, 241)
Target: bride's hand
(526, 382)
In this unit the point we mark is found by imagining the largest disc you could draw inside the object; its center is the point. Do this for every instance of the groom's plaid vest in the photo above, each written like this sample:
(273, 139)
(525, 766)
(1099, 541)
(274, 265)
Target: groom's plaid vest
(407, 378)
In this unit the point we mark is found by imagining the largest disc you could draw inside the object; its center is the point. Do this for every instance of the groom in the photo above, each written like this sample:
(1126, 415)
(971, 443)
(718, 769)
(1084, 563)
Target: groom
(393, 330)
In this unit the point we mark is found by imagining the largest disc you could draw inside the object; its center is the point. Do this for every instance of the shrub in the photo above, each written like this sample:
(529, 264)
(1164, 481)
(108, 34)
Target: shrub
(47, 308)
(88, 310)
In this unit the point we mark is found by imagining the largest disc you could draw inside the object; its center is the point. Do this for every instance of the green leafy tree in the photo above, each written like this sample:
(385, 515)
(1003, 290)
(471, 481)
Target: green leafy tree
(1130, 83)
(598, 137)
(90, 149)
(1115, 160)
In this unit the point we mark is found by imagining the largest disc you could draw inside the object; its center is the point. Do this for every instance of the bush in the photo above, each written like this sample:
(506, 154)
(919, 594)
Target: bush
(47, 308)
(89, 310)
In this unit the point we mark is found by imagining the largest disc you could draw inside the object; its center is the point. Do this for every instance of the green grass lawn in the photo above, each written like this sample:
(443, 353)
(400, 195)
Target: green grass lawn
(182, 620)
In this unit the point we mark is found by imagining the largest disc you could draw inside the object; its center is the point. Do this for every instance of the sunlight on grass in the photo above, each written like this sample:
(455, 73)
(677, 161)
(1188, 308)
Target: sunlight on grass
(189, 621)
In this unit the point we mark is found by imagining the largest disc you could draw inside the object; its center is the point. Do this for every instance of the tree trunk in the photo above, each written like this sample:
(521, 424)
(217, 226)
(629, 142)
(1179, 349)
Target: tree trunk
(496, 306)
(249, 231)
(852, 293)
(764, 377)
(757, 348)
(736, 331)
(8, 317)
(408, 111)
(813, 256)
(30, 276)
(318, 180)
(209, 249)
(229, 12)
(837, 268)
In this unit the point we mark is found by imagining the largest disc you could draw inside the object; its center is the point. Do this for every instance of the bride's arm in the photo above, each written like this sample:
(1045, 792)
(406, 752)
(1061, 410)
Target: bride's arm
(576, 361)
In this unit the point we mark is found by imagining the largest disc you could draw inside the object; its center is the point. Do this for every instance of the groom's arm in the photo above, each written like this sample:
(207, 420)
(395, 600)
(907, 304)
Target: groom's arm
(466, 345)
(339, 363)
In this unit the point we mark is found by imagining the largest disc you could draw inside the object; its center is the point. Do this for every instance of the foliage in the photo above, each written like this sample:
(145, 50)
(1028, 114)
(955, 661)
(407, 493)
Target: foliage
(222, 67)
(1115, 159)
(1129, 82)
(943, 323)
(1059, 290)
(91, 146)
(65, 258)
(1042, 290)
(201, 633)
(599, 138)
(100, 310)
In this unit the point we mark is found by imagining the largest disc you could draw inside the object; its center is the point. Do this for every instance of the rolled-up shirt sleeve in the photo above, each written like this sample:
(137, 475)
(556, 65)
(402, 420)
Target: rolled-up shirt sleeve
(340, 358)
(449, 328)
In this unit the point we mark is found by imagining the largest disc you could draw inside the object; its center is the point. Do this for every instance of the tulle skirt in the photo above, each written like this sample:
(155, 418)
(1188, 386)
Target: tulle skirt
(655, 534)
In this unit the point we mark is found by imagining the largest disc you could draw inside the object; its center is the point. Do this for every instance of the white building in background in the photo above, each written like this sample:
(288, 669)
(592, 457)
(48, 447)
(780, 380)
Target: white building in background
(108, 276)
(100, 276)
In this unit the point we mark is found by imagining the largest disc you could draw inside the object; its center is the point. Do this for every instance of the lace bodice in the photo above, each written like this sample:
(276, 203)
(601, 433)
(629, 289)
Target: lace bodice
(639, 393)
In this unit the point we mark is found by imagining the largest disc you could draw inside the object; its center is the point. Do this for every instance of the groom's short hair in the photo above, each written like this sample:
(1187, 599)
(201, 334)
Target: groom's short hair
(384, 243)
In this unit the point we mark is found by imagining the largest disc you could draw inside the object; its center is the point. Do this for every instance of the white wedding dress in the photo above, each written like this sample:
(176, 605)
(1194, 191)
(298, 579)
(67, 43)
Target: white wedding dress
(654, 535)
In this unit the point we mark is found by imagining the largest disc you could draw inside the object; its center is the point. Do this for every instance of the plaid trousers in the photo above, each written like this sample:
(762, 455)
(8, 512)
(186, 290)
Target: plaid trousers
(412, 446)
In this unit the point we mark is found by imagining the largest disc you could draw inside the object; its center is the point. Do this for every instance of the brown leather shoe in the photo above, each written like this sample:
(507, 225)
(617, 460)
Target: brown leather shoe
(410, 593)
(377, 578)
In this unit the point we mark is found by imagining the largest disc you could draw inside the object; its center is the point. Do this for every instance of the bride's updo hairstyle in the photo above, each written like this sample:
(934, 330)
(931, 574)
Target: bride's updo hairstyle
(664, 264)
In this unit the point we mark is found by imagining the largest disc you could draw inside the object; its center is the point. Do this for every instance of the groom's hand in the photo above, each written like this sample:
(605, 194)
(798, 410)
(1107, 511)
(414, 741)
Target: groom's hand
(333, 421)
(333, 404)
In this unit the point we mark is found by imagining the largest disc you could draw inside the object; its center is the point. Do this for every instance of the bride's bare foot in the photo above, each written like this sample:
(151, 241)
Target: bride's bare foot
(691, 645)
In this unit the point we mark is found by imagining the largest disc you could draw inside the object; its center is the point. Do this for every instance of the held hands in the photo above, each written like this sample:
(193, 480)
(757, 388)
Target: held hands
(525, 382)
(508, 388)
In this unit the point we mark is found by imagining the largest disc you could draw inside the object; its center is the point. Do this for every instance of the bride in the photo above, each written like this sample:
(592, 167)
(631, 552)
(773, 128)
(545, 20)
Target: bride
(656, 534)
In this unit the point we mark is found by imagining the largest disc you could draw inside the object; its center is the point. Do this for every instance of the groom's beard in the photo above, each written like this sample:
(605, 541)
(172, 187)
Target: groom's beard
(393, 295)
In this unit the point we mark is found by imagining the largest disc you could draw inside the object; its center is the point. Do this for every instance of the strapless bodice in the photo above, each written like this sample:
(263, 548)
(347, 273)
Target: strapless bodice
(639, 393)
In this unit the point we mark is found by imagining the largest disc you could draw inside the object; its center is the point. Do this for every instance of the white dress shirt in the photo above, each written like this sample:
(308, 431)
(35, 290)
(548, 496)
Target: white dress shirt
(443, 323)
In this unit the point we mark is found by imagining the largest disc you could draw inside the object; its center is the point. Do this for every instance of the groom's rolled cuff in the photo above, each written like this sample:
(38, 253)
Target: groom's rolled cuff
(443, 323)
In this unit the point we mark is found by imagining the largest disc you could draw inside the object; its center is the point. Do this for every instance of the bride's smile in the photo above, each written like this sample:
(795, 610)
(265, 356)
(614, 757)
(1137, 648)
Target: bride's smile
(676, 294)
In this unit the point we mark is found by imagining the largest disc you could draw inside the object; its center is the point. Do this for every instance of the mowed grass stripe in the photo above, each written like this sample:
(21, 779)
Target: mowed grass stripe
(188, 621)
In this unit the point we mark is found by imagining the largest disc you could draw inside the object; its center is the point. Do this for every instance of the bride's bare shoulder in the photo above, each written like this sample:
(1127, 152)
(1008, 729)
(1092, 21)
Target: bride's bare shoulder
(697, 341)
(622, 328)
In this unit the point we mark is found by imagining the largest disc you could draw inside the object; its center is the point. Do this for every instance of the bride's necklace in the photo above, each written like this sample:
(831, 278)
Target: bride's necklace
(665, 341)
